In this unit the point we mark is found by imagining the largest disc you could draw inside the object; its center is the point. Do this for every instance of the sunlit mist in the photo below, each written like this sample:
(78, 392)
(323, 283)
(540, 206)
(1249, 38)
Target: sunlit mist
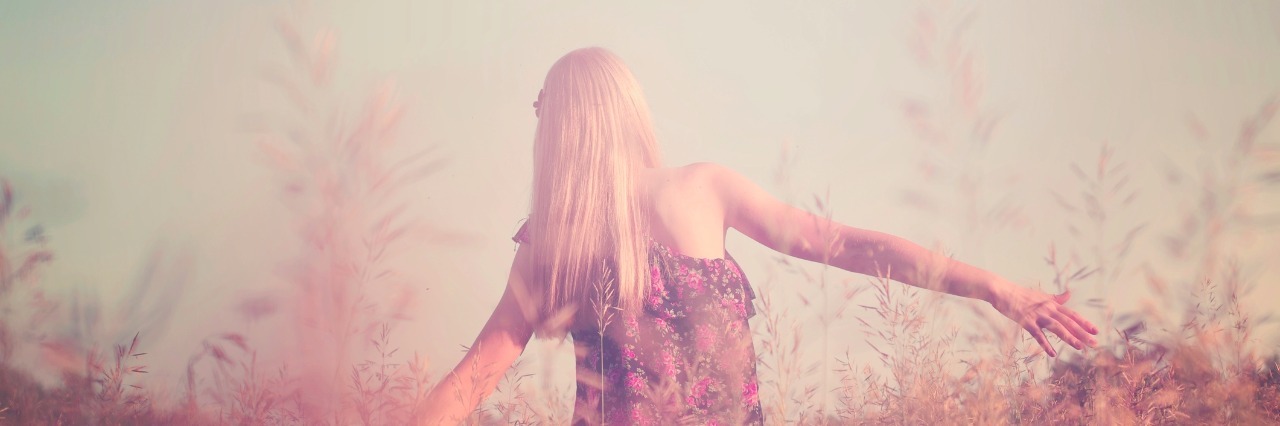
(242, 212)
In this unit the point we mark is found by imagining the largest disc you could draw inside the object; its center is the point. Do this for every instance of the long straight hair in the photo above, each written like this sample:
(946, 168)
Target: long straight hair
(588, 225)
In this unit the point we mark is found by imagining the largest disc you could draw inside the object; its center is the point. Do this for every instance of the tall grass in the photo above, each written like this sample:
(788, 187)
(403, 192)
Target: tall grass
(92, 387)
(343, 184)
(25, 307)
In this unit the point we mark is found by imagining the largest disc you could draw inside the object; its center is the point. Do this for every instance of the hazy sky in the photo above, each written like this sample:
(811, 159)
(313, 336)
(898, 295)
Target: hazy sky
(122, 126)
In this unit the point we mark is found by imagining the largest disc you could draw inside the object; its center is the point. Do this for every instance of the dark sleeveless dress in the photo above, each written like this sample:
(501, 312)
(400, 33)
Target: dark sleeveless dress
(686, 359)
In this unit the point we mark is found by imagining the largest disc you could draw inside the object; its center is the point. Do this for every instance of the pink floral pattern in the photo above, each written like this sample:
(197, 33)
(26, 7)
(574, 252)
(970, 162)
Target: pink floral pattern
(687, 358)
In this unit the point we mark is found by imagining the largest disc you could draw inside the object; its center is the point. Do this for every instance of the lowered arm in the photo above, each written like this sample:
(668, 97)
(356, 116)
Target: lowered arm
(499, 343)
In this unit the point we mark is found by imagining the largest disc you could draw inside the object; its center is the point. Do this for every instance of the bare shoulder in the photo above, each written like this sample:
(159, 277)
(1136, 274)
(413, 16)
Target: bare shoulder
(718, 180)
(745, 205)
(709, 175)
(689, 208)
(704, 182)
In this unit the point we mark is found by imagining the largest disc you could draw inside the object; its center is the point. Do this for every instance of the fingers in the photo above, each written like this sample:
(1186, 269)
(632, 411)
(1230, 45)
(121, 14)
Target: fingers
(1039, 336)
(1056, 327)
(1073, 320)
(1079, 319)
(1075, 317)
(1077, 338)
(1048, 314)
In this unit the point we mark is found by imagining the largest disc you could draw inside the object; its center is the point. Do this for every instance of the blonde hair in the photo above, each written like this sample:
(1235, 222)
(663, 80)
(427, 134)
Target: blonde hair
(588, 225)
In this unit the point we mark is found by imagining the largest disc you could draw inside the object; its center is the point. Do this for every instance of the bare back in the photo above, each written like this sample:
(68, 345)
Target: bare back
(686, 211)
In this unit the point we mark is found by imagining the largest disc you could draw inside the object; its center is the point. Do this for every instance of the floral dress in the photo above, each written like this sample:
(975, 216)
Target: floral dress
(687, 358)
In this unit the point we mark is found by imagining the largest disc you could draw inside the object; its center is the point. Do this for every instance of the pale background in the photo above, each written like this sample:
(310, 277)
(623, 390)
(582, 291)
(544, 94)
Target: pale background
(120, 125)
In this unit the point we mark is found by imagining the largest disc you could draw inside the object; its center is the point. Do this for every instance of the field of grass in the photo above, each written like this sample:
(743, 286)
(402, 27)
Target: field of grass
(1189, 356)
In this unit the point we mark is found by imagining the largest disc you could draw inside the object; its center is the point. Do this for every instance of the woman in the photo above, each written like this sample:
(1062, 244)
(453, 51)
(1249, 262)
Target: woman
(628, 258)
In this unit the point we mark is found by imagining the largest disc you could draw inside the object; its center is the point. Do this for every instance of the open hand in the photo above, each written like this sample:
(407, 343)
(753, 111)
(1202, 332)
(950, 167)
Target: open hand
(1037, 311)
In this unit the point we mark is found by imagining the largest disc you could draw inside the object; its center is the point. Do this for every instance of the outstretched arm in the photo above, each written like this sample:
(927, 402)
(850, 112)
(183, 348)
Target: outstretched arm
(500, 342)
(795, 232)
